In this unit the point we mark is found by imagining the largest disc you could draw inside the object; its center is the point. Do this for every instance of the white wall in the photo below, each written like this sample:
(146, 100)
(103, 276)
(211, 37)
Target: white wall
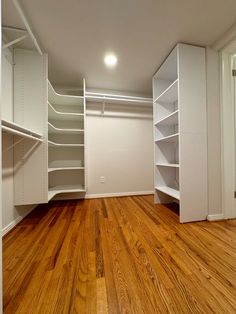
(214, 132)
(121, 150)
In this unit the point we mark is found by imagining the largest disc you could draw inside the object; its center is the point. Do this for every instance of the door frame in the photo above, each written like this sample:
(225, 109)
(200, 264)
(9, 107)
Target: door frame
(228, 123)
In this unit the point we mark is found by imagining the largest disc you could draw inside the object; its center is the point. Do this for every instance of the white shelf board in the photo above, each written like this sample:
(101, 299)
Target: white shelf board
(50, 143)
(64, 168)
(168, 139)
(65, 189)
(54, 114)
(171, 119)
(169, 191)
(59, 99)
(55, 130)
(170, 95)
(17, 127)
(167, 165)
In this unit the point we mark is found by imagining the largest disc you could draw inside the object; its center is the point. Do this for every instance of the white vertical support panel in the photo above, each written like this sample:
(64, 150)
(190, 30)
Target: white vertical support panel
(31, 111)
(193, 137)
(0, 162)
(85, 137)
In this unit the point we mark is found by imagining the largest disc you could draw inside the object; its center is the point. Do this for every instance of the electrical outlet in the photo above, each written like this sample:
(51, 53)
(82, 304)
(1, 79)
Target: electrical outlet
(102, 179)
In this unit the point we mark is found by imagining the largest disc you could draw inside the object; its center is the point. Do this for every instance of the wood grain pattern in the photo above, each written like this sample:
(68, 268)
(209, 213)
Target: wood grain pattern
(118, 255)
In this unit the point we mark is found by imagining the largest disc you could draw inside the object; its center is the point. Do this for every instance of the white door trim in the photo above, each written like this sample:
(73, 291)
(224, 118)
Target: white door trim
(228, 132)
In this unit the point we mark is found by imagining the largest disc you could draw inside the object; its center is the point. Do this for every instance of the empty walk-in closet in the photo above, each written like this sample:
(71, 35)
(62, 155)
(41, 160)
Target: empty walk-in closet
(118, 156)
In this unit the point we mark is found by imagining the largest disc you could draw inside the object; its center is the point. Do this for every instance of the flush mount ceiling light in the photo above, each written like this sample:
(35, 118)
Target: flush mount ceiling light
(110, 60)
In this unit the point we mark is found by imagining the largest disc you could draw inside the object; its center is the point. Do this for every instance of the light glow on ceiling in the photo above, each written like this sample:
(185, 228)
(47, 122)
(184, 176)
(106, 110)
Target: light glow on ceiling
(110, 60)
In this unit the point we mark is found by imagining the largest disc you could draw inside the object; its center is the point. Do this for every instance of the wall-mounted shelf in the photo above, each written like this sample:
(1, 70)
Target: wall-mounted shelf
(50, 143)
(54, 130)
(16, 129)
(63, 100)
(65, 189)
(54, 114)
(64, 168)
(168, 139)
(169, 191)
(170, 119)
(167, 165)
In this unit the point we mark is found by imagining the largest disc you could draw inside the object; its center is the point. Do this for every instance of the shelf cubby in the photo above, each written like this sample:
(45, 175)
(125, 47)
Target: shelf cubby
(63, 189)
(65, 103)
(170, 119)
(170, 191)
(66, 181)
(66, 157)
(66, 138)
(169, 95)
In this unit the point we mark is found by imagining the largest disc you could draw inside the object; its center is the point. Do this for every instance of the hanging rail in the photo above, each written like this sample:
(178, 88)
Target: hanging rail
(15, 132)
(117, 98)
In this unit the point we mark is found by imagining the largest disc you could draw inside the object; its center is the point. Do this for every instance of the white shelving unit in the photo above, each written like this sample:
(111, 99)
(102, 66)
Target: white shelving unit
(24, 116)
(66, 144)
(179, 108)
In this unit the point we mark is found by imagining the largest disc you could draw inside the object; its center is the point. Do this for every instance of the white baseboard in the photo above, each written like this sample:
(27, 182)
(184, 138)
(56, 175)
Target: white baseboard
(12, 224)
(89, 196)
(215, 217)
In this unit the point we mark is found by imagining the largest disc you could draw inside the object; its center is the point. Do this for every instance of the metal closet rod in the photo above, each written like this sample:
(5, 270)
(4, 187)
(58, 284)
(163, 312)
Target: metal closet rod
(15, 132)
(121, 98)
(118, 96)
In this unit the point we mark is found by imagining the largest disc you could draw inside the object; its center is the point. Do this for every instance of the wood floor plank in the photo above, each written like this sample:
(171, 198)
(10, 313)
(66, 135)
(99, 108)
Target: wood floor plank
(118, 255)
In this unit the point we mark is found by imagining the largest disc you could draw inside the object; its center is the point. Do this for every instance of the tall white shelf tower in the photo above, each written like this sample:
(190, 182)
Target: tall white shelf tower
(180, 139)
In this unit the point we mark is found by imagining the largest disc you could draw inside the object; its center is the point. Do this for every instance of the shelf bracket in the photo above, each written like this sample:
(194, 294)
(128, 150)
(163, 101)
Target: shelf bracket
(27, 26)
(13, 145)
(15, 41)
(103, 105)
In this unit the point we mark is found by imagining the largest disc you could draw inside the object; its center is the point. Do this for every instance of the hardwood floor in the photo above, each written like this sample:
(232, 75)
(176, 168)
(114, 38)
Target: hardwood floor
(118, 255)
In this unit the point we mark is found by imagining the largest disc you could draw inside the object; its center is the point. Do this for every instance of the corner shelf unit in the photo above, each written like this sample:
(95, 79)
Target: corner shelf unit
(180, 146)
(66, 144)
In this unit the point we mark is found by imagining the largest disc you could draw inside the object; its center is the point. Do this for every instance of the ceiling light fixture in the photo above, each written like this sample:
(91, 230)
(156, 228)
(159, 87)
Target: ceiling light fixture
(110, 60)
